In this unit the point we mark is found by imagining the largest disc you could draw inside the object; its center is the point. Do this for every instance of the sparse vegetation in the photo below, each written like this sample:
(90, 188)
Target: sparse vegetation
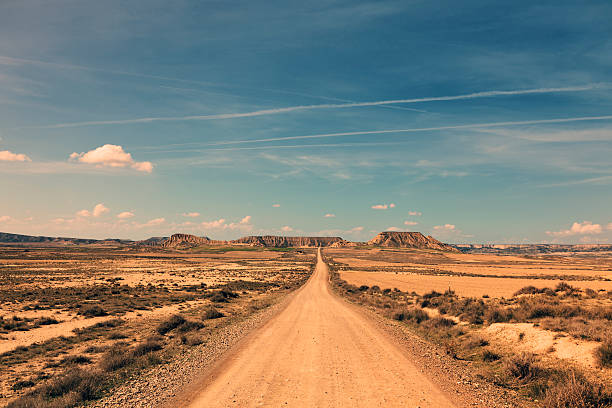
(122, 344)
(170, 324)
(565, 308)
(604, 353)
(212, 313)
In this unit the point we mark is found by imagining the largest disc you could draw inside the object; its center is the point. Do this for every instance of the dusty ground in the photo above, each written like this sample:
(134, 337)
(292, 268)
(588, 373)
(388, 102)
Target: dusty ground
(56, 302)
(497, 308)
(321, 351)
(73, 308)
(469, 274)
(462, 285)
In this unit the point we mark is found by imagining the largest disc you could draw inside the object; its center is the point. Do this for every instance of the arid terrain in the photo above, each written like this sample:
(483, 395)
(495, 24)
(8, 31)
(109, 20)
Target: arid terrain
(403, 320)
(111, 311)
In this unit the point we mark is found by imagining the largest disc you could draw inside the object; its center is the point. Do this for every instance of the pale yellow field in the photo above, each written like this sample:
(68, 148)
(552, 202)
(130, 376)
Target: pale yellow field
(469, 274)
(462, 285)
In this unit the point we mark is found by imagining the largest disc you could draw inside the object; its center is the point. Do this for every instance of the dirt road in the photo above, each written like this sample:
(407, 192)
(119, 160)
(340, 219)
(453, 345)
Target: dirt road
(319, 352)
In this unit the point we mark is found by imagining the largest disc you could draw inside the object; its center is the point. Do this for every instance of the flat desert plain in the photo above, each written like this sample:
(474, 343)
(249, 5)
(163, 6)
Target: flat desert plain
(470, 274)
(82, 308)
(103, 326)
(523, 321)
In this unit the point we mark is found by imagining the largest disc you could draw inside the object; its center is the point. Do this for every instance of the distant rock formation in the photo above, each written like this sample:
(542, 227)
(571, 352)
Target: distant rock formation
(273, 241)
(409, 240)
(531, 248)
(28, 239)
(153, 241)
(184, 240)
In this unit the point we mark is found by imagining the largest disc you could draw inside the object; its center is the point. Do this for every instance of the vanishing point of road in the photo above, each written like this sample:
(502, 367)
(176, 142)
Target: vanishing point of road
(319, 351)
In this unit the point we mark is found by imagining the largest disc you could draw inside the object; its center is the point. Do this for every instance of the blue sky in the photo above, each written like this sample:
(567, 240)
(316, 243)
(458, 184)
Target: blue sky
(477, 123)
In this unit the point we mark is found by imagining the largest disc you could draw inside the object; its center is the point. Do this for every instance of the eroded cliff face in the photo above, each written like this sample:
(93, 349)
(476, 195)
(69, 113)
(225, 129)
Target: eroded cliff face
(409, 240)
(184, 240)
(283, 242)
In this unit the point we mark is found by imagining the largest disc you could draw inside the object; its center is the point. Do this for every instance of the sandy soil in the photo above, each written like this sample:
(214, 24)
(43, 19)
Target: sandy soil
(494, 265)
(542, 342)
(462, 285)
(319, 351)
(65, 328)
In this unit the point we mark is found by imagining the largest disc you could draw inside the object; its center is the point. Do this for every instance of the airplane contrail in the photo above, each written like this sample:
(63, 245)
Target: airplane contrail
(284, 147)
(6, 60)
(275, 111)
(414, 130)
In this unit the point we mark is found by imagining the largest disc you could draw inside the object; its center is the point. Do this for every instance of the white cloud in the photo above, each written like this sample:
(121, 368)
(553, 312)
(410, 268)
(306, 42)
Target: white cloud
(275, 205)
(356, 229)
(5, 218)
(329, 215)
(609, 226)
(111, 156)
(445, 227)
(578, 228)
(99, 209)
(191, 214)
(383, 206)
(286, 228)
(83, 213)
(220, 223)
(410, 223)
(154, 222)
(6, 155)
(415, 213)
(125, 215)
(244, 224)
(393, 229)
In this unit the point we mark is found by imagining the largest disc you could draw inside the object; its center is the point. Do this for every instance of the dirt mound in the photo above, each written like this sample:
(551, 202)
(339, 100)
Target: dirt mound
(409, 240)
(275, 241)
(184, 240)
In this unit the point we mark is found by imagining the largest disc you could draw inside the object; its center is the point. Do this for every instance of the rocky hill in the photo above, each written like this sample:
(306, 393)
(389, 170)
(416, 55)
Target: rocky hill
(275, 241)
(184, 240)
(409, 240)
(29, 239)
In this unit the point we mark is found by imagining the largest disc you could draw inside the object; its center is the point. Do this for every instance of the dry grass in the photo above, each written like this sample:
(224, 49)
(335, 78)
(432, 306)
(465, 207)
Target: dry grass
(604, 354)
(563, 307)
(574, 391)
(43, 286)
